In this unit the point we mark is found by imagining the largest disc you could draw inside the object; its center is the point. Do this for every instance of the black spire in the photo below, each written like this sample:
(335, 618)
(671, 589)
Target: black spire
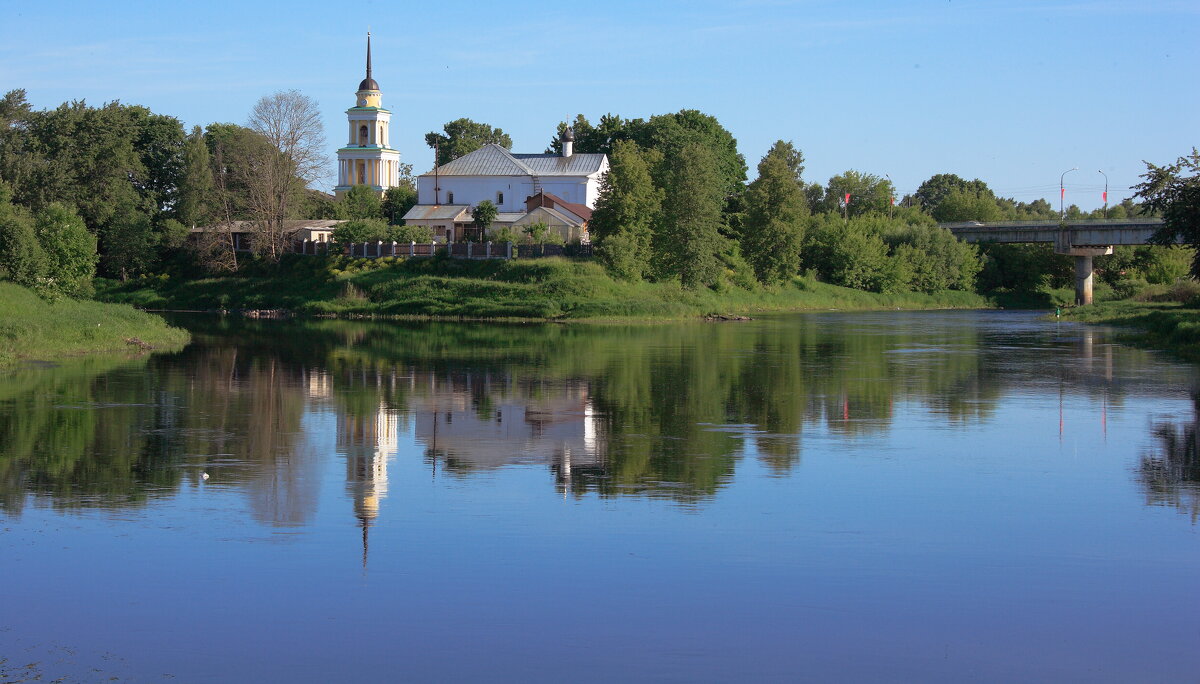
(368, 82)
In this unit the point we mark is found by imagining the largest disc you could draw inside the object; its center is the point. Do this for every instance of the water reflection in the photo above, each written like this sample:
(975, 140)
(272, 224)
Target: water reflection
(661, 411)
(1170, 472)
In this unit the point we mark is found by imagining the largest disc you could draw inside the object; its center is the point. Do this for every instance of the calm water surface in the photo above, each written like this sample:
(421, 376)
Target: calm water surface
(883, 497)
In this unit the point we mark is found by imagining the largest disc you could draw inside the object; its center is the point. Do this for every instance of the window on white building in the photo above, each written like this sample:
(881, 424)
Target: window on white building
(449, 198)
(499, 198)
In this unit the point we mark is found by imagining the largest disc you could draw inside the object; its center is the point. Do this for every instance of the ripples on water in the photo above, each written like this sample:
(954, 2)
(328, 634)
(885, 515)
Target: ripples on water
(892, 496)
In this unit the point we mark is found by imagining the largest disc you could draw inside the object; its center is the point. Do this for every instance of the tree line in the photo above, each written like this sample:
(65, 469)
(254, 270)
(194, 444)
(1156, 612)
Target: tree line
(137, 183)
(675, 205)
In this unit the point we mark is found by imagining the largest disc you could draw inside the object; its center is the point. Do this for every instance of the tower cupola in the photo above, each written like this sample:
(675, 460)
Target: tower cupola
(368, 94)
(568, 141)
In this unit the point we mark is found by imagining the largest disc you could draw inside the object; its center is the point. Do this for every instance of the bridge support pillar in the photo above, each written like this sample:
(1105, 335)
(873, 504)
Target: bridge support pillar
(1083, 270)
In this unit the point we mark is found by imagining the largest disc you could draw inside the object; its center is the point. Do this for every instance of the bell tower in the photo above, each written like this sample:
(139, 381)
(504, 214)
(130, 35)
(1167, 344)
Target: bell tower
(367, 159)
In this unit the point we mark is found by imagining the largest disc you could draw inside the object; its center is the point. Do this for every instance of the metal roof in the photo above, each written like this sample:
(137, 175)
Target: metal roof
(494, 160)
(289, 225)
(444, 212)
(556, 165)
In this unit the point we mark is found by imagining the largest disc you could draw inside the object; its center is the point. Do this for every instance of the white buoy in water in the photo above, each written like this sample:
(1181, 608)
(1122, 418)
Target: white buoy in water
(203, 476)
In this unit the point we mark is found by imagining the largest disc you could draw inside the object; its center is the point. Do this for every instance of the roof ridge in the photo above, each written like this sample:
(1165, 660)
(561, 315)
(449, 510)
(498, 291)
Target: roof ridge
(516, 161)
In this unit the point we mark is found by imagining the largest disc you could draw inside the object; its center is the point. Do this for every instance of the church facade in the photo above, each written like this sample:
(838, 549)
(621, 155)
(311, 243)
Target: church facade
(511, 181)
(367, 158)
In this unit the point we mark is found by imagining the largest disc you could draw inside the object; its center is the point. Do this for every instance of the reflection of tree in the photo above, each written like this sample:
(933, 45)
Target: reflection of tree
(112, 434)
(612, 409)
(1170, 475)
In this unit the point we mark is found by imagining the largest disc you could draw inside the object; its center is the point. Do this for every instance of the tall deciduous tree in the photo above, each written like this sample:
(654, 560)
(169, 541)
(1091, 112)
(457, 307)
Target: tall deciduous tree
(627, 209)
(463, 136)
(776, 210)
(1174, 190)
(291, 122)
(688, 240)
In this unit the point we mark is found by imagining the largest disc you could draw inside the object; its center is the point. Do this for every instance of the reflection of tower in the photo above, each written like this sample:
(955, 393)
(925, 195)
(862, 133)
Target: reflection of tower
(367, 442)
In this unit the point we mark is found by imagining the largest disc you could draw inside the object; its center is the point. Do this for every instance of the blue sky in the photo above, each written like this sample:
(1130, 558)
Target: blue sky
(1012, 91)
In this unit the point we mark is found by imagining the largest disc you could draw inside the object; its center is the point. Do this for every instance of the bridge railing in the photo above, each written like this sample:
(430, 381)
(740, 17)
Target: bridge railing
(1081, 223)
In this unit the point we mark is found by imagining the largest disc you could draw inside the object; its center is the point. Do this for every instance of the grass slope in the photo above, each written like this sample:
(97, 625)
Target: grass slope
(33, 328)
(552, 288)
(1162, 325)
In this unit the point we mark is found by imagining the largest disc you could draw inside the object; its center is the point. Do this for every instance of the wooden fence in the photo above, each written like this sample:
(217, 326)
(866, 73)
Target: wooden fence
(457, 250)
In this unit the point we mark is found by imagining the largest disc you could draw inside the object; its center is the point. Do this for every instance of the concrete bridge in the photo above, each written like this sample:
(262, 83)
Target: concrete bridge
(1081, 239)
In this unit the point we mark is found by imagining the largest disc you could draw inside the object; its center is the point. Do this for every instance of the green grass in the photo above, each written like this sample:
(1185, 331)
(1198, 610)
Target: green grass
(33, 328)
(1161, 325)
(552, 288)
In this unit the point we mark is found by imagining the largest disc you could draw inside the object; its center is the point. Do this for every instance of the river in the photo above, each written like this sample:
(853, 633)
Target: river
(894, 496)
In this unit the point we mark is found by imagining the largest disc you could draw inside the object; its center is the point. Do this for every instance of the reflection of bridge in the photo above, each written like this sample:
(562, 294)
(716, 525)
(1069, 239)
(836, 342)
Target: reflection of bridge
(1080, 239)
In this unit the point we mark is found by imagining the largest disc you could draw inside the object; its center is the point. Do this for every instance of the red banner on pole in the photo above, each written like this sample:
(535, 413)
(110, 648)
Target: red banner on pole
(1105, 194)
(1062, 192)
(847, 198)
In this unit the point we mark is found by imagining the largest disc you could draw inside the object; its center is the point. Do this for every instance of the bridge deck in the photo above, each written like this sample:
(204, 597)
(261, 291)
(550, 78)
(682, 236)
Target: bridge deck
(1088, 232)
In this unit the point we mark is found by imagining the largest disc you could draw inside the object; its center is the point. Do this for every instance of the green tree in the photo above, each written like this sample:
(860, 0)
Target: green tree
(70, 251)
(688, 240)
(22, 259)
(360, 202)
(1174, 191)
(600, 138)
(463, 136)
(776, 210)
(484, 214)
(396, 203)
(931, 258)
(929, 195)
(670, 134)
(868, 193)
(197, 193)
(627, 209)
(967, 205)
(849, 253)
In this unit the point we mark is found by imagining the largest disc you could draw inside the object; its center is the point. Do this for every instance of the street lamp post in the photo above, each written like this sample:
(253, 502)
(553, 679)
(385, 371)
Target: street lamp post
(891, 195)
(1062, 193)
(1105, 191)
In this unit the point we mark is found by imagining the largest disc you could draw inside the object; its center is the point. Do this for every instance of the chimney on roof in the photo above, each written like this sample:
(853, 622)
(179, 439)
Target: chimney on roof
(568, 141)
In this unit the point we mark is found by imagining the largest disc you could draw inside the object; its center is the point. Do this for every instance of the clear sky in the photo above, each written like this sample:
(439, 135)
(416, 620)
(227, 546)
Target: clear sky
(1010, 91)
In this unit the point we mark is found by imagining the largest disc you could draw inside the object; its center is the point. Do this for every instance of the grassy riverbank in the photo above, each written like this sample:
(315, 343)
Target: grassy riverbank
(531, 289)
(33, 328)
(1161, 325)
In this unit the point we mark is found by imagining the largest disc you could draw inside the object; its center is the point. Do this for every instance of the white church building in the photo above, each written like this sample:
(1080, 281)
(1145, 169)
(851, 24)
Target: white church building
(446, 195)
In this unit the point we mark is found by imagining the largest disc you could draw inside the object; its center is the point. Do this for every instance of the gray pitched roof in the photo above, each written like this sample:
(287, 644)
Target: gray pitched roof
(494, 160)
(556, 165)
(447, 212)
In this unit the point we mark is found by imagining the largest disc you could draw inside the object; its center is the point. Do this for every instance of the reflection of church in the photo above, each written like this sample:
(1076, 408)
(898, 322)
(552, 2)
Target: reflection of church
(367, 442)
(470, 424)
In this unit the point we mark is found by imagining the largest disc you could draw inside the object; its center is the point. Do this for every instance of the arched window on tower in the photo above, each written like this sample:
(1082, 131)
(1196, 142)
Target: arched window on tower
(362, 136)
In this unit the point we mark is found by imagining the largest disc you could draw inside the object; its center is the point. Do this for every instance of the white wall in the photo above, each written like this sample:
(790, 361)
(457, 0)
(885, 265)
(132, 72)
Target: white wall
(474, 189)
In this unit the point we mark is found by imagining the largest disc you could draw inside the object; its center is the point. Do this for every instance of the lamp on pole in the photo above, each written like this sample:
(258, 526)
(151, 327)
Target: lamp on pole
(1062, 193)
(1105, 191)
(891, 195)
